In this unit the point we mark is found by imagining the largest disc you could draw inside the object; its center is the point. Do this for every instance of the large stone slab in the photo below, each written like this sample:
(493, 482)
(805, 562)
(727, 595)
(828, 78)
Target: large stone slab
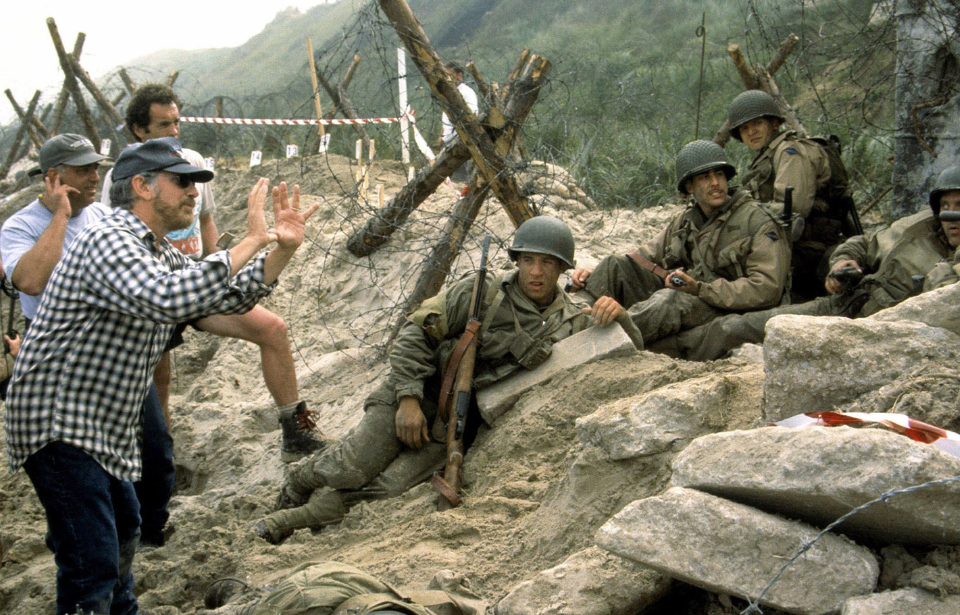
(902, 602)
(819, 474)
(661, 420)
(585, 347)
(730, 548)
(937, 308)
(819, 363)
(590, 582)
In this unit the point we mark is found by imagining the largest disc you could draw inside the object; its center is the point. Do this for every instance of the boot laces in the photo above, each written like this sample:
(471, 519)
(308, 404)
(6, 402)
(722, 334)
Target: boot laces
(305, 420)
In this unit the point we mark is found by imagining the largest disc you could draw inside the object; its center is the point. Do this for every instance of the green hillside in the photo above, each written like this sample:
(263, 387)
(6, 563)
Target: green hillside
(625, 89)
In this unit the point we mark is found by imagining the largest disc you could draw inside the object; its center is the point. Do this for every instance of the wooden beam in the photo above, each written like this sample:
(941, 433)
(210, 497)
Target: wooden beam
(786, 48)
(484, 88)
(35, 130)
(127, 81)
(516, 109)
(748, 76)
(64, 96)
(70, 78)
(14, 153)
(340, 100)
(105, 106)
(491, 166)
(172, 78)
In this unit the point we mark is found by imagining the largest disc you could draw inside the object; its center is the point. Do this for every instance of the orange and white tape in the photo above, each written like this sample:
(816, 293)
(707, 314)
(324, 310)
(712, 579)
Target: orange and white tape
(294, 122)
(947, 441)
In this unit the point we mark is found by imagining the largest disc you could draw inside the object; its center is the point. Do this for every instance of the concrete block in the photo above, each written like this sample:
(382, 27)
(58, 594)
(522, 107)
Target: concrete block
(730, 548)
(590, 582)
(585, 347)
(902, 602)
(818, 474)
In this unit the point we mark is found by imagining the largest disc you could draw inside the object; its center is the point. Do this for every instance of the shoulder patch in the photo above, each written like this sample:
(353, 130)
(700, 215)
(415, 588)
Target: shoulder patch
(791, 150)
(773, 236)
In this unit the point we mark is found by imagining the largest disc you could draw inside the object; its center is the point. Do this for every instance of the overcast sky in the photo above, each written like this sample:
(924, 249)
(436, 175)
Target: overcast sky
(117, 31)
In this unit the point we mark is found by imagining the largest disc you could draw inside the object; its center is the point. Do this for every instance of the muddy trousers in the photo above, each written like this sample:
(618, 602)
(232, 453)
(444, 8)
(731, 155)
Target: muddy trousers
(327, 505)
(658, 312)
(718, 337)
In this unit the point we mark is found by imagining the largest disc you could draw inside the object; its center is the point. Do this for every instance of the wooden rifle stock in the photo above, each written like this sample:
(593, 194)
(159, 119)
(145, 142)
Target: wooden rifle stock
(455, 404)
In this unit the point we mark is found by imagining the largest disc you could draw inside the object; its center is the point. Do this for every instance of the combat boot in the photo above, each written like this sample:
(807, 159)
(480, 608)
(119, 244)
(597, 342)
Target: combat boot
(300, 435)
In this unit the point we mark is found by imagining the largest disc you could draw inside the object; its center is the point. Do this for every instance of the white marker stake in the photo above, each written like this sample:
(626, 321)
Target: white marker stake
(256, 156)
(105, 147)
(404, 109)
(293, 151)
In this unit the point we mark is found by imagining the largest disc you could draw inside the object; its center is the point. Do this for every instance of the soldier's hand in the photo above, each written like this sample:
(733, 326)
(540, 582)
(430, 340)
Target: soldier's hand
(835, 286)
(411, 424)
(604, 311)
(579, 278)
(678, 280)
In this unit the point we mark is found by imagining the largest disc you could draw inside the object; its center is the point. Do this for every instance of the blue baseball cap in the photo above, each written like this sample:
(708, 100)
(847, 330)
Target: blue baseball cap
(157, 155)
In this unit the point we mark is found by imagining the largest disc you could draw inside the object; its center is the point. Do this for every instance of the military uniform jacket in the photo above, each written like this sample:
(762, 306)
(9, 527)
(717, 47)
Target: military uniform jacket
(514, 334)
(789, 160)
(740, 255)
(911, 246)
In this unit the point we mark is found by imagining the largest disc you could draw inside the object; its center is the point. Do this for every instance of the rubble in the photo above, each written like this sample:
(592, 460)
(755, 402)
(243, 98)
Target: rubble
(730, 548)
(819, 363)
(818, 474)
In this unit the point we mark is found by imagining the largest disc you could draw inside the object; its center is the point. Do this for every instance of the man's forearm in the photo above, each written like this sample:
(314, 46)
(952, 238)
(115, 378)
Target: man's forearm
(35, 266)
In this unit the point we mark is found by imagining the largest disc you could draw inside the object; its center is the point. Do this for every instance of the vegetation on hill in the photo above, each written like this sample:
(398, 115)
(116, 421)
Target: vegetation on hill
(626, 89)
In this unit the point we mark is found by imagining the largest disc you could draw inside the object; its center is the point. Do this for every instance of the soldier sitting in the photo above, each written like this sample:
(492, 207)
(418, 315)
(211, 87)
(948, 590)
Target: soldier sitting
(812, 166)
(524, 313)
(913, 255)
(722, 254)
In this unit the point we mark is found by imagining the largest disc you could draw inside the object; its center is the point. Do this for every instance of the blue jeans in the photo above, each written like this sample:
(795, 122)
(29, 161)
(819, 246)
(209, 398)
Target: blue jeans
(94, 524)
(156, 484)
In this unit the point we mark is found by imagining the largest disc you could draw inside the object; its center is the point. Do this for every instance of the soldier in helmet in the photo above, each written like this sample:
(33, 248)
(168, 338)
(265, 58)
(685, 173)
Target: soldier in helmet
(914, 254)
(783, 158)
(524, 313)
(722, 254)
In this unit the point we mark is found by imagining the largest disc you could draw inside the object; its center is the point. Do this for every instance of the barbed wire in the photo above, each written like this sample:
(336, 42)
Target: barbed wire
(754, 605)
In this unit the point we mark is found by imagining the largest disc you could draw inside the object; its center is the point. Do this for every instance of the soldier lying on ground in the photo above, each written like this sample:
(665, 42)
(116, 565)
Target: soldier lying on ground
(524, 313)
(722, 254)
(812, 166)
(895, 263)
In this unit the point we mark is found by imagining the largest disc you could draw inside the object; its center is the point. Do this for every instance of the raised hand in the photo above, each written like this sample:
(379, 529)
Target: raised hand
(289, 218)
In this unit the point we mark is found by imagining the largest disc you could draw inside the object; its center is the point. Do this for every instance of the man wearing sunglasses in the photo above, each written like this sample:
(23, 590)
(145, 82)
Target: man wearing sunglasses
(73, 412)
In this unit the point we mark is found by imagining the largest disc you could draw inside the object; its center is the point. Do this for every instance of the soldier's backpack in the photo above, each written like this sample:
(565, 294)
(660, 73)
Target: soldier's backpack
(837, 193)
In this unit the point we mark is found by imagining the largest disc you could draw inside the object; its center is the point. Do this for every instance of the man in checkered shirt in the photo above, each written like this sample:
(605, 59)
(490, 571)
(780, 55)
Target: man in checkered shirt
(73, 412)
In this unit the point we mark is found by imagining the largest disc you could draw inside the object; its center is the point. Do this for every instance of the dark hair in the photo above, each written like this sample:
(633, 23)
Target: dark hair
(138, 110)
(454, 66)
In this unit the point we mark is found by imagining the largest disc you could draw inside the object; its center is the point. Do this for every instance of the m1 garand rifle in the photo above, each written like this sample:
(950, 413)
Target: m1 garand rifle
(456, 392)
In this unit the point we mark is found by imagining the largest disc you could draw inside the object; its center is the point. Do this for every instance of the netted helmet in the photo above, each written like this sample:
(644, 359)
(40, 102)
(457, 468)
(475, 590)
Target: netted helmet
(699, 157)
(949, 179)
(544, 235)
(748, 106)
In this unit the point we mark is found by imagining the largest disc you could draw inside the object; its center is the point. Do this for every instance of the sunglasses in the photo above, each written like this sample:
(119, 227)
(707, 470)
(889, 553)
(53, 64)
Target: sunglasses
(184, 181)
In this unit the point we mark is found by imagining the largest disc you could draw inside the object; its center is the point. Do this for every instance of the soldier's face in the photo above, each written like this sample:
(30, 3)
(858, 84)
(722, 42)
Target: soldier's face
(757, 133)
(950, 201)
(709, 190)
(538, 276)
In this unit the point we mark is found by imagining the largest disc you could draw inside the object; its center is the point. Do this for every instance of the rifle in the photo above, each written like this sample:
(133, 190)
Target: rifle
(457, 391)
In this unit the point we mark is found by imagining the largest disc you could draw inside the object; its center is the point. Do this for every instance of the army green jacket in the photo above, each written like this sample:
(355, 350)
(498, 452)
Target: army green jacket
(740, 255)
(789, 160)
(911, 246)
(515, 334)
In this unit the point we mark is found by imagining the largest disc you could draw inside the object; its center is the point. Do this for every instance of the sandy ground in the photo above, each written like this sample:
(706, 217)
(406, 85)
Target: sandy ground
(524, 476)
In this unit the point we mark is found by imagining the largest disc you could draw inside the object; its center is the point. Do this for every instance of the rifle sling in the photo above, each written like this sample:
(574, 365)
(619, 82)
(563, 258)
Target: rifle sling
(453, 366)
(649, 265)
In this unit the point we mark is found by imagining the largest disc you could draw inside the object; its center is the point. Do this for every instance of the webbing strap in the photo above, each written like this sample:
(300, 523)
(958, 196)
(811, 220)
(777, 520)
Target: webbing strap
(649, 265)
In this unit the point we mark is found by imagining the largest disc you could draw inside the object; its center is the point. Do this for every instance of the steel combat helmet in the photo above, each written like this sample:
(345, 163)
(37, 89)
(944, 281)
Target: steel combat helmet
(949, 179)
(748, 106)
(699, 157)
(544, 235)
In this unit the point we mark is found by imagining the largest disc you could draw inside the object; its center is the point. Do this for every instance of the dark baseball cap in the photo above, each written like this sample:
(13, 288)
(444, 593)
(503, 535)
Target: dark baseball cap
(69, 149)
(157, 155)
